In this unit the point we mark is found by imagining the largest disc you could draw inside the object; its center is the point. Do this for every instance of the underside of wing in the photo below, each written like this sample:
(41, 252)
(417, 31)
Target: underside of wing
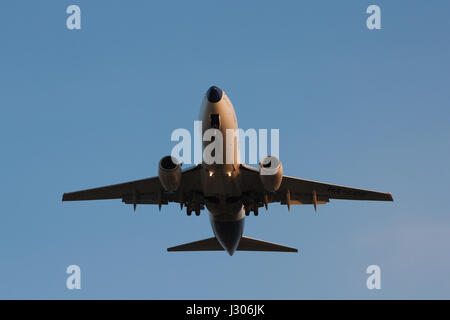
(294, 191)
(305, 188)
(116, 191)
(145, 191)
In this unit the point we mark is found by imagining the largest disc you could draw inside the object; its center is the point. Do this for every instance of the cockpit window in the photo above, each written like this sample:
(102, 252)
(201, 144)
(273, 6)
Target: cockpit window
(215, 121)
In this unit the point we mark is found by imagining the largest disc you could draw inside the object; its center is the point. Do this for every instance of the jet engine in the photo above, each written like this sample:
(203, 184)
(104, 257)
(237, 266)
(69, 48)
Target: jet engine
(169, 172)
(271, 173)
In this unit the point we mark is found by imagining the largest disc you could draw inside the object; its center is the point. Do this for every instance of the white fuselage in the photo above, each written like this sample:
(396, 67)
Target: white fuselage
(220, 179)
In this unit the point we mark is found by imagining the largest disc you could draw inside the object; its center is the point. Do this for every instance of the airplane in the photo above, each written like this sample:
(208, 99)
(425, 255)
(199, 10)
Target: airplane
(229, 191)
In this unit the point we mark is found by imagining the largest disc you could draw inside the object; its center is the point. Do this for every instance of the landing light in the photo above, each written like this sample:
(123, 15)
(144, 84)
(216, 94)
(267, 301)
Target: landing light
(211, 173)
(228, 174)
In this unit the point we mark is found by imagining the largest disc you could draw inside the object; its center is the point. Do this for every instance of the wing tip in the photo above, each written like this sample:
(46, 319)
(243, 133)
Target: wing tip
(390, 197)
(67, 197)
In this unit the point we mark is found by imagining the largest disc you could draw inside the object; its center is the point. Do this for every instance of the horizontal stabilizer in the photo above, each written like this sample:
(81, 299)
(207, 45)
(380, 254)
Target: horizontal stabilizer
(210, 244)
(246, 244)
(249, 244)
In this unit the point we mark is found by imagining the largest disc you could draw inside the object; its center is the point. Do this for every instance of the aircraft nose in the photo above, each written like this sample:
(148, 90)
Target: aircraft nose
(214, 94)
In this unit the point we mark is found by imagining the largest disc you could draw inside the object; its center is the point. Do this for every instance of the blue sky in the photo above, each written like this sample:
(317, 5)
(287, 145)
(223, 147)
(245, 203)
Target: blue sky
(97, 106)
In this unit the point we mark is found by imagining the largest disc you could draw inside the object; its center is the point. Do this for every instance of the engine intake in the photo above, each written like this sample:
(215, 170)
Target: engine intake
(169, 172)
(271, 173)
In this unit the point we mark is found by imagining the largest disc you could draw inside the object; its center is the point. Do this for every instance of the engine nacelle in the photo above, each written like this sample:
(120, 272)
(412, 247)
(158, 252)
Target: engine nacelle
(169, 172)
(271, 173)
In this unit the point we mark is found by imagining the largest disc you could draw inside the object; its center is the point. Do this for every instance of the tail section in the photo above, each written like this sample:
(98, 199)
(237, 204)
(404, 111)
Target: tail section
(249, 244)
(245, 244)
(210, 244)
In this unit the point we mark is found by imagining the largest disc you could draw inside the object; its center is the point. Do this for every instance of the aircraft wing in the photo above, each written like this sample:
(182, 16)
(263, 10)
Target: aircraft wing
(301, 191)
(145, 191)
